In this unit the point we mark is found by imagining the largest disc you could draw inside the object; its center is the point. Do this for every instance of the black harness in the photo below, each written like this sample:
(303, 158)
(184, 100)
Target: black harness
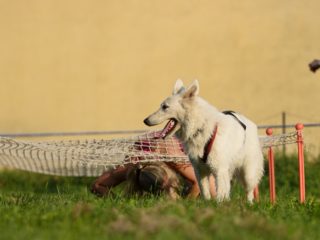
(232, 113)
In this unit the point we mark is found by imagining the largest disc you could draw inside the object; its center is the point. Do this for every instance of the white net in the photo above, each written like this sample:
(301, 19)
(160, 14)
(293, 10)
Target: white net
(277, 140)
(92, 157)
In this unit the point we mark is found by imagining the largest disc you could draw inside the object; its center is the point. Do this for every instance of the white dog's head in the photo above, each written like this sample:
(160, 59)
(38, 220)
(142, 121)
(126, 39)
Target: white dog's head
(173, 108)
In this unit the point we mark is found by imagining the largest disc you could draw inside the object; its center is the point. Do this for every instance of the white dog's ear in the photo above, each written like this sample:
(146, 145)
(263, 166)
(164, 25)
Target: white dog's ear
(193, 90)
(178, 86)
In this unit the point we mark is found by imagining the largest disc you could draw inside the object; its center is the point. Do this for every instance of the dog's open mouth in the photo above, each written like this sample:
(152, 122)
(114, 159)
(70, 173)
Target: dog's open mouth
(169, 129)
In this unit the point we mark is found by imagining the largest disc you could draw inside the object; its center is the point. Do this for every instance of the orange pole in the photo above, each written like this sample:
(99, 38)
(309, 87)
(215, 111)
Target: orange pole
(299, 127)
(256, 194)
(272, 185)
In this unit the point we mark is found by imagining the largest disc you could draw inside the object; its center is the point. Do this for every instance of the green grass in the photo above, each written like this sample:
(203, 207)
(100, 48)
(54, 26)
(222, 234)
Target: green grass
(34, 206)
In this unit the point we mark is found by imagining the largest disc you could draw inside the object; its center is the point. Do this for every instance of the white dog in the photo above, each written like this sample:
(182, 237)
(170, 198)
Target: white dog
(217, 143)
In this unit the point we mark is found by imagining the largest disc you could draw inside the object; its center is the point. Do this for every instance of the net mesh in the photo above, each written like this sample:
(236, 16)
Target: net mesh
(92, 157)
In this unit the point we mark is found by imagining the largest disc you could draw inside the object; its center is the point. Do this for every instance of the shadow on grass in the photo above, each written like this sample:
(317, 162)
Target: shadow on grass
(21, 181)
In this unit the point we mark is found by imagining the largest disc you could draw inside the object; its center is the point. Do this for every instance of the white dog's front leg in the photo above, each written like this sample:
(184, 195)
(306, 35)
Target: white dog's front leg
(202, 175)
(223, 185)
(205, 187)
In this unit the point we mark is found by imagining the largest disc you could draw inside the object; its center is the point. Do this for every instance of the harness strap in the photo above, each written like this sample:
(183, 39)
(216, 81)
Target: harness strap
(232, 113)
(209, 144)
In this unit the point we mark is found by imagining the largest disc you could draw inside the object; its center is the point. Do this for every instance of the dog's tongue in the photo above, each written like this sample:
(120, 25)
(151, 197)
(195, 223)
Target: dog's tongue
(167, 129)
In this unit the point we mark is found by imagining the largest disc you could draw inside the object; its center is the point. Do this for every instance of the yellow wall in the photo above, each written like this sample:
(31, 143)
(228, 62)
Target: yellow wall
(104, 65)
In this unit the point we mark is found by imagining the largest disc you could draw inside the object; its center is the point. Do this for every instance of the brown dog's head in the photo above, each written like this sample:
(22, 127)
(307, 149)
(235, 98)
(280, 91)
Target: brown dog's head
(155, 178)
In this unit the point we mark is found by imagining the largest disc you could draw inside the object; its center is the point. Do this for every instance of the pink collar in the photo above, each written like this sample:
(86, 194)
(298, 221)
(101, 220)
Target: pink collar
(209, 144)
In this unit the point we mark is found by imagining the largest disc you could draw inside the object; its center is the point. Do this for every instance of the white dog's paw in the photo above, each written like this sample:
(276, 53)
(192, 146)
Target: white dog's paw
(206, 194)
(250, 197)
(223, 197)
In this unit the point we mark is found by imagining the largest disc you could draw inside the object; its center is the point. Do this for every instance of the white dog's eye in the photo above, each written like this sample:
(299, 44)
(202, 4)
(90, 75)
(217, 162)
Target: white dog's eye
(164, 106)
